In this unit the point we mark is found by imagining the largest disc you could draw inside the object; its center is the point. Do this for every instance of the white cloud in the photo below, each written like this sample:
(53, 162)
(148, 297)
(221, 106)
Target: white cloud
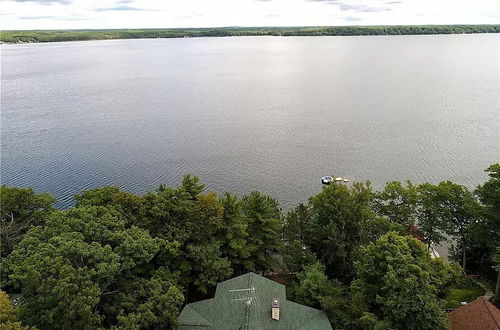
(45, 2)
(77, 14)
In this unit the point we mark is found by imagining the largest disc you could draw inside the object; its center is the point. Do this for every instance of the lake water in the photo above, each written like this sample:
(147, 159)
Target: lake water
(273, 114)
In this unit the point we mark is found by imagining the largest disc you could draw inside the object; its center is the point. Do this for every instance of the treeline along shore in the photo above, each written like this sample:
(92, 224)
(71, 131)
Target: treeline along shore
(28, 36)
(117, 260)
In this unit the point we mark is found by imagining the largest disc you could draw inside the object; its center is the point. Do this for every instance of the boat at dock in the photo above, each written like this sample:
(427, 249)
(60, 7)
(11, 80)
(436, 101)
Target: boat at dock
(327, 180)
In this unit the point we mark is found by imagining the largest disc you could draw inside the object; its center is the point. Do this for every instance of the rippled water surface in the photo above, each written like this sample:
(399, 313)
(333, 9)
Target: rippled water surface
(253, 113)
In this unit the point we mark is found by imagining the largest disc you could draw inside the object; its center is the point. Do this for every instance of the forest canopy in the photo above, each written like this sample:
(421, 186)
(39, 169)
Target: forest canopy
(117, 260)
(24, 36)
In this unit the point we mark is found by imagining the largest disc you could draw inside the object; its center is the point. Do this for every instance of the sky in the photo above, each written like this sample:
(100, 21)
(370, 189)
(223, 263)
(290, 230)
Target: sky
(101, 14)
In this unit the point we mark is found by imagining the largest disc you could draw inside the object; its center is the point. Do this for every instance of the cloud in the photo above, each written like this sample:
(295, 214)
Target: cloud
(359, 7)
(125, 1)
(362, 8)
(37, 17)
(351, 18)
(333, 2)
(57, 18)
(190, 15)
(123, 8)
(71, 18)
(46, 2)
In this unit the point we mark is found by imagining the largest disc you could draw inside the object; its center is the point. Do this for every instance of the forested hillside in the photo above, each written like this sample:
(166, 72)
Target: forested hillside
(73, 35)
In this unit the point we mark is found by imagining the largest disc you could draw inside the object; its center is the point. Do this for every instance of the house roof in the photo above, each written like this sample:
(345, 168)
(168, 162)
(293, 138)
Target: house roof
(244, 302)
(477, 315)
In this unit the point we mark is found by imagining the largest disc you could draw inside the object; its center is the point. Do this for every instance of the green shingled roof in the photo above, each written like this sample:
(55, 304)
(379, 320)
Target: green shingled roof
(244, 303)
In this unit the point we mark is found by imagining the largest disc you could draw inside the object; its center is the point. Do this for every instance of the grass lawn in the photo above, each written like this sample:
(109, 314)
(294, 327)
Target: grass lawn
(455, 296)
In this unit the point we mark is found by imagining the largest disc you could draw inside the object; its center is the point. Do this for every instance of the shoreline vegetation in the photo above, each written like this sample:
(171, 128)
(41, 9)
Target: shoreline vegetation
(117, 260)
(32, 36)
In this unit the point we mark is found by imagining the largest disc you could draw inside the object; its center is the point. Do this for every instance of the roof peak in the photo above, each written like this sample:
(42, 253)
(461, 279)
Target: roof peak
(245, 302)
(479, 314)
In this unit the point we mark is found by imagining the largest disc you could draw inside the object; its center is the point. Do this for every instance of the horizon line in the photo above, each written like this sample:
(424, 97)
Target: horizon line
(254, 27)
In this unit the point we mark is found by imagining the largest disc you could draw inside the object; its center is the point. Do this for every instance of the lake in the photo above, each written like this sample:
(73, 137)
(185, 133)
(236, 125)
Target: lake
(273, 114)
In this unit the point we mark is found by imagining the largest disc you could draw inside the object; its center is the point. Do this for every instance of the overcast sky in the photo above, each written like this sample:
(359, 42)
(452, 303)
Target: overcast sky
(78, 14)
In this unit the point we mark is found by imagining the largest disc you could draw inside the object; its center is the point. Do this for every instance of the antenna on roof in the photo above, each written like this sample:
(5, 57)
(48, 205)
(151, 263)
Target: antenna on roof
(248, 289)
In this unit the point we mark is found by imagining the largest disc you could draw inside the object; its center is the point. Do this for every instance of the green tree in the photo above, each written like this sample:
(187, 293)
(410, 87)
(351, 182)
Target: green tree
(313, 285)
(204, 266)
(184, 214)
(131, 206)
(431, 221)
(316, 290)
(297, 224)
(460, 210)
(198, 224)
(210, 217)
(339, 214)
(395, 277)
(192, 186)
(487, 230)
(9, 318)
(264, 228)
(154, 304)
(234, 235)
(171, 213)
(489, 192)
(377, 227)
(496, 261)
(20, 209)
(398, 203)
(68, 267)
(296, 236)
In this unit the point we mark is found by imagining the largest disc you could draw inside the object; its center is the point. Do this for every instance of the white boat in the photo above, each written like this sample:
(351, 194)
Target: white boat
(326, 179)
(330, 179)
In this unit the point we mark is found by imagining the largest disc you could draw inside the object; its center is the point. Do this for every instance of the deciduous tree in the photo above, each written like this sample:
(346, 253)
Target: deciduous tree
(398, 203)
(9, 319)
(20, 209)
(296, 236)
(431, 220)
(460, 210)
(395, 277)
(339, 214)
(66, 268)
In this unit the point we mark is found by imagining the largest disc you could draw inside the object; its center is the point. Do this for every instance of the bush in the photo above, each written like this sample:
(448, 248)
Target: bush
(465, 282)
(456, 296)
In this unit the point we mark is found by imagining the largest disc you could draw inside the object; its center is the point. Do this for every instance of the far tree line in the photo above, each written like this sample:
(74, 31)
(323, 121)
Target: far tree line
(118, 260)
(22, 36)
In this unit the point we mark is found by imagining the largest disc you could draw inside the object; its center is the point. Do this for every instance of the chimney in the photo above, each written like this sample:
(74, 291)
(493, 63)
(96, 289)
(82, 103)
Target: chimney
(275, 309)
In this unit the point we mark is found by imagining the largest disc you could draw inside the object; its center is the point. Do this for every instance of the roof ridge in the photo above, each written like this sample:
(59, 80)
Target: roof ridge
(485, 302)
(198, 314)
(244, 302)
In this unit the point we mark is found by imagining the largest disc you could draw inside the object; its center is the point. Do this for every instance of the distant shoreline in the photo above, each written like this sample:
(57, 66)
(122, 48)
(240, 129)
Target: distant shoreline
(37, 36)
